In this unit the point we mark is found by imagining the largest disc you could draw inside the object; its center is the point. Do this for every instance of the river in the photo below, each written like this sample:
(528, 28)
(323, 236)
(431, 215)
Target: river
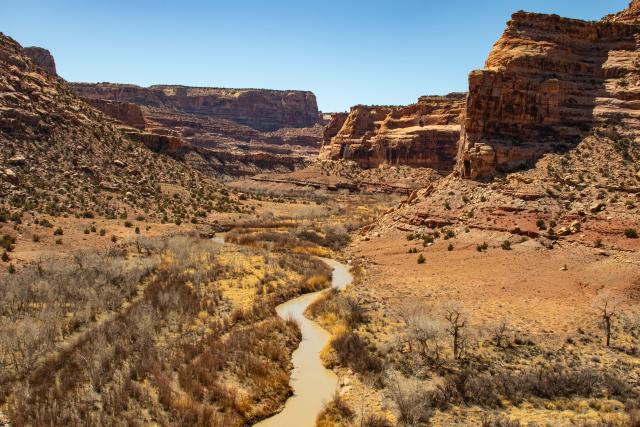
(313, 385)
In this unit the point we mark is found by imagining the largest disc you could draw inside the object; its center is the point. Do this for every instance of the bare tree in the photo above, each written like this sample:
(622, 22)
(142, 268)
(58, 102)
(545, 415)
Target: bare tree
(608, 307)
(424, 331)
(457, 320)
(500, 332)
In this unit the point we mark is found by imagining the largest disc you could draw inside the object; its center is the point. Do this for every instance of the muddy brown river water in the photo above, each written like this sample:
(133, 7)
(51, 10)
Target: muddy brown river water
(313, 385)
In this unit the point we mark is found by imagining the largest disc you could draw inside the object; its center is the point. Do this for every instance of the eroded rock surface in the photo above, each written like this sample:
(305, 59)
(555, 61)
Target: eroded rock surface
(222, 132)
(42, 58)
(424, 134)
(547, 83)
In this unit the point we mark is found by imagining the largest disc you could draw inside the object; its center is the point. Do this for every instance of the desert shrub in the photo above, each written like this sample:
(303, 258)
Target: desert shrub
(506, 245)
(335, 412)
(483, 247)
(128, 224)
(336, 237)
(560, 382)
(415, 405)
(5, 257)
(341, 306)
(469, 388)
(499, 422)
(375, 420)
(58, 232)
(353, 352)
(7, 242)
(631, 233)
(421, 259)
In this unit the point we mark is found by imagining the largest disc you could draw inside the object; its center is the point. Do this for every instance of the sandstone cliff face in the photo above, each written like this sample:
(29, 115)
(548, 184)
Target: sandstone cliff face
(547, 83)
(424, 134)
(42, 58)
(263, 110)
(223, 132)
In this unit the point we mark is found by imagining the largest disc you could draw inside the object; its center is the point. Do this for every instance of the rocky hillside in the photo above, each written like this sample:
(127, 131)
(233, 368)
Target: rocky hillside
(424, 134)
(547, 83)
(221, 132)
(60, 156)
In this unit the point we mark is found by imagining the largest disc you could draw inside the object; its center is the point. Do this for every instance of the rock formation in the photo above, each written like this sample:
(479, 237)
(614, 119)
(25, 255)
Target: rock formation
(124, 112)
(225, 132)
(260, 109)
(42, 58)
(547, 83)
(424, 134)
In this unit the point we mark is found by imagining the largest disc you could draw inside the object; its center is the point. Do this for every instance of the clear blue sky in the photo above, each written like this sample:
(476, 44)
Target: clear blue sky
(346, 51)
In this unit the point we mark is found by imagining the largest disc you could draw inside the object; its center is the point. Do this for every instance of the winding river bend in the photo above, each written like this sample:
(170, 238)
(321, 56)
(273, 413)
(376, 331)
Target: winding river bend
(313, 385)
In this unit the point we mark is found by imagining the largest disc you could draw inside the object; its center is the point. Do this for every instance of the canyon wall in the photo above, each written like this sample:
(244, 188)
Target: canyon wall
(224, 132)
(260, 109)
(424, 134)
(547, 83)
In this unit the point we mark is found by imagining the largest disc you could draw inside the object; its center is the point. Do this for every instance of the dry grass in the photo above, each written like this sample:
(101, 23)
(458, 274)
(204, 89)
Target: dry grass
(178, 348)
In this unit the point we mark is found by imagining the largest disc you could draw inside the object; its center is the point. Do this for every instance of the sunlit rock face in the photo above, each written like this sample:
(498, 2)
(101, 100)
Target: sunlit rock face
(424, 134)
(547, 83)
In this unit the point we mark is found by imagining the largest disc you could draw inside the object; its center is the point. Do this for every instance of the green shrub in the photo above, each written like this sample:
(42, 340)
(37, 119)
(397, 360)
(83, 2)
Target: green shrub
(5, 257)
(58, 232)
(7, 242)
(128, 224)
(421, 259)
(11, 269)
(631, 233)
(506, 245)
(450, 247)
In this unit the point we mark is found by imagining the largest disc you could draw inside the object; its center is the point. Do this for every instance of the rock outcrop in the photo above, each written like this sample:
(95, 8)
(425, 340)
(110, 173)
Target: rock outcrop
(224, 132)
(424, 134)
(260, 109)
(124, 112)
(547, 83)
(42, 58)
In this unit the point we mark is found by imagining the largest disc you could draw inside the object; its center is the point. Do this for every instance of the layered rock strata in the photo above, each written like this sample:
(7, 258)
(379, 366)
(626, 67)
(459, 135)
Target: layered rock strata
(547, 83)
(424, 134)
(224, 132)
(260, 109)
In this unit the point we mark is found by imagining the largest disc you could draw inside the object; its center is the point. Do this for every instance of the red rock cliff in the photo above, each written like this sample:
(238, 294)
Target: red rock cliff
(261, 109)
(424, 134)
(547, 83)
